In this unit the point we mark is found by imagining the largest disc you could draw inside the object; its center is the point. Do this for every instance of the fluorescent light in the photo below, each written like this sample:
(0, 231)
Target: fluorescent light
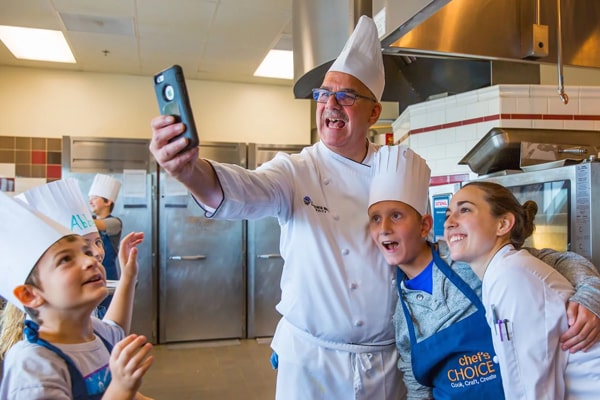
(36, 44)
(277, 64)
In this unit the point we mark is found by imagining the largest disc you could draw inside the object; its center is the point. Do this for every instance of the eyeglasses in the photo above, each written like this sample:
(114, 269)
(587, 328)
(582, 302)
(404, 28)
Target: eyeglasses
(343, 98)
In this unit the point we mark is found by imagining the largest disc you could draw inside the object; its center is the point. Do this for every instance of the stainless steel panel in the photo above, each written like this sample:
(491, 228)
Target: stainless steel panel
(500, 148)
(201, 262)
(583, 182)
(136, 215)
(265, 263)
(265, 266)
(497, 29)
(106, 155)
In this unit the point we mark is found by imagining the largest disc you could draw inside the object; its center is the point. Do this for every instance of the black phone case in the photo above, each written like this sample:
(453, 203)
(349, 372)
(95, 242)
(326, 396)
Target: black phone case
(173, 99)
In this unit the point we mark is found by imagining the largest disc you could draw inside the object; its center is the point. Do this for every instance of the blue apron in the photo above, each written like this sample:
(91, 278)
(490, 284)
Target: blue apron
(456, 362)
(110, 257)
(78, 386)
(110, 265)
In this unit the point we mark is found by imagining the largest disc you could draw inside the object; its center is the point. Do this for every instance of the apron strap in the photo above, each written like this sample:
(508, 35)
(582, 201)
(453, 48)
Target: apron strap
(78, 388)
(452, 277)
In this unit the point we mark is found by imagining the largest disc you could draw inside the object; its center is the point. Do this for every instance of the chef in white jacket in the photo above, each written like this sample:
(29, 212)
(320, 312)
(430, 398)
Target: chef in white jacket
(335, 339)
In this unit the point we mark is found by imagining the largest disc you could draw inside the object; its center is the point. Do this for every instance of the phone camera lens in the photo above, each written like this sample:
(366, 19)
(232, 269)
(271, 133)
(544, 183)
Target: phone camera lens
(169, 92)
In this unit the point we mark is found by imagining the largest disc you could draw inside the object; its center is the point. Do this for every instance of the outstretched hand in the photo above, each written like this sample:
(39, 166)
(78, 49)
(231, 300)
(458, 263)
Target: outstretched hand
(584, 329)
(129, 361)
(128, 254)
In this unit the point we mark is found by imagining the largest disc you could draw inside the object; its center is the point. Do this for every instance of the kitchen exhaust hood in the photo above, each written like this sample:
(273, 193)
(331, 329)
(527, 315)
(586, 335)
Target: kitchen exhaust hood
(434, 47)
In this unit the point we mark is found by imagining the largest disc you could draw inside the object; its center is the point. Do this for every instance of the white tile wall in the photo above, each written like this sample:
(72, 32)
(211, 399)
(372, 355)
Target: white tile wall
(443, 147)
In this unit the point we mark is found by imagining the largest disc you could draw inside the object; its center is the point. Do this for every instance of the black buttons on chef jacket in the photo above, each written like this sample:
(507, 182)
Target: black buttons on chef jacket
(345, 252)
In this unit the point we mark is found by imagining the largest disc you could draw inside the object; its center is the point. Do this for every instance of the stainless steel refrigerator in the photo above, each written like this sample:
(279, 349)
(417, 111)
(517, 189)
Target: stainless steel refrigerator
(129, 161)
(265, 263)
(202, 281)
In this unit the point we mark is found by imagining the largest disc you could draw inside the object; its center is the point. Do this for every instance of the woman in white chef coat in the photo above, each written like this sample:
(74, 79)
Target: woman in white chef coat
(524, 298)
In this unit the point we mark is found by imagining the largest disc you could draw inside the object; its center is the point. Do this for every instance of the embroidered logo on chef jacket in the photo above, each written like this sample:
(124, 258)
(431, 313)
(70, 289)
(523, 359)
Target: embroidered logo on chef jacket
(321, 209)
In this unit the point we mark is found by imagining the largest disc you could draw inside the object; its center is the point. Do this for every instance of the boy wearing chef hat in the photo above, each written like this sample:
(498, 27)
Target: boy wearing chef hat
(102, 196)
(49, 272)
(398, 198)
(430, 300)
(63, 202)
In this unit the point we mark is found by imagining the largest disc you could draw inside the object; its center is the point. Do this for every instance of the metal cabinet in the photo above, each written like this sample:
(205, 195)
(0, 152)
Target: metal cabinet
(265, 263)
(202, 292)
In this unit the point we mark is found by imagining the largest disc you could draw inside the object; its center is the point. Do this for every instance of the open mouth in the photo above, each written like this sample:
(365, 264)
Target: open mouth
(95, 279)
(456, 238)
(389, 245)
(335, 123)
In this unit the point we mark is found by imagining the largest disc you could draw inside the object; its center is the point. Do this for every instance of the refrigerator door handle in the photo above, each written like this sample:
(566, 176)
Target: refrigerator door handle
(187, 258)
(268, 256)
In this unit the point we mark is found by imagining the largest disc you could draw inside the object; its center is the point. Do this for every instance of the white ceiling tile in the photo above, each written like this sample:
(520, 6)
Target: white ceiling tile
(98, 24)
(32, 14)
(210, 39)
(89, 50)
(96, 7)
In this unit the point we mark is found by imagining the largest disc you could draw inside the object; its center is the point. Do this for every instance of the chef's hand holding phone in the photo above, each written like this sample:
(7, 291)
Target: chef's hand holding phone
(173, 99)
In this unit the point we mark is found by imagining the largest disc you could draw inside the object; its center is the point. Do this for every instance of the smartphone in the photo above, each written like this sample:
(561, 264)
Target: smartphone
(173, 99)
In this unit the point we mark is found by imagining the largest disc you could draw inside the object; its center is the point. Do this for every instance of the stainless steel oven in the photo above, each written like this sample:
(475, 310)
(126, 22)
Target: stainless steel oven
(568, 200)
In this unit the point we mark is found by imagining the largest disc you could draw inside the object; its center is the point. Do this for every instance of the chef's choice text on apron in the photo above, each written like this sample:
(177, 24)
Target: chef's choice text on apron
(473, 370)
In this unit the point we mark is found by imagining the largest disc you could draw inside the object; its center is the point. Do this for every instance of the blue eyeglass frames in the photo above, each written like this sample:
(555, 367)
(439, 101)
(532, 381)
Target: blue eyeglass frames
(343, 98)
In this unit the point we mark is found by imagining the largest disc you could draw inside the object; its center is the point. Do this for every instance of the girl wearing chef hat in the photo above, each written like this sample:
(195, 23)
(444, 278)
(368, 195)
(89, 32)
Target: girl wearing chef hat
(50, 272)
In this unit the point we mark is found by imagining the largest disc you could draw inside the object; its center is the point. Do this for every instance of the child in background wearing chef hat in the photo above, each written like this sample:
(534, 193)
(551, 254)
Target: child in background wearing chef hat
(102, 196)
(50, 272)
(61, 201)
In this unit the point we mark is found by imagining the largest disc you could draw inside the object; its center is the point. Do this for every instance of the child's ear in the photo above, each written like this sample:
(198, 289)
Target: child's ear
(28, 296)
(426, 225)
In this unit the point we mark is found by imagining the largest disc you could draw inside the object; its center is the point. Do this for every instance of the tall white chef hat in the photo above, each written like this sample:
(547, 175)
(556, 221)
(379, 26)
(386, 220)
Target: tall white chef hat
(361, 57)
(400, 174)
(105, 186)
(63, 202)
(25, 235)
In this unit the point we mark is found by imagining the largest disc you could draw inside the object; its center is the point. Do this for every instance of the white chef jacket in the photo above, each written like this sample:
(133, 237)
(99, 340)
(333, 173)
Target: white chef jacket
(336, 286)
(529, 299)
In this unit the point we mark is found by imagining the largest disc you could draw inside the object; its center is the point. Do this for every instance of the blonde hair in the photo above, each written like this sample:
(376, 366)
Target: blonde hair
(12, 323)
